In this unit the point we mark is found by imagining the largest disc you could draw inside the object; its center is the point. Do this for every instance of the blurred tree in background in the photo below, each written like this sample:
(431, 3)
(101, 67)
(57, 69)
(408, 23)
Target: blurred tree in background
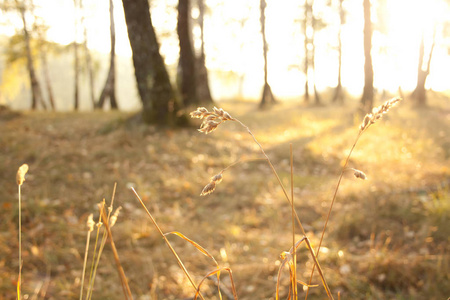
(158, 98)
(109, 89)
(367, 97)
(267, 98)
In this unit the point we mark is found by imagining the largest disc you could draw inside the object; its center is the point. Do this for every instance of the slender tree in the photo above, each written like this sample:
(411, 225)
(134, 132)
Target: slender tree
(367, 97)
(155, 90)
(310, 25)
(43, 47)
(76, 97)
(87, 56)
(203, 91)
(109, 89)
(187, 83)
(314, 25)
(338, 92)
(267, 95)
(36, 93)
(48, 83)
(419, 93)
(306, 18)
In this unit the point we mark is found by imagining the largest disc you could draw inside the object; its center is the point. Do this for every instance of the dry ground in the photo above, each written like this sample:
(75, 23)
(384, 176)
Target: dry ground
(388, 236)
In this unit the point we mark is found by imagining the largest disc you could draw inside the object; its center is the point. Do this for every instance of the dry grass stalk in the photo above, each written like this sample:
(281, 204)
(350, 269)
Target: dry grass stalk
(294, 256)
(368, 120)
(123, 278)
(218, 117)
(288, 258)
(93, 269)
(115, 216)
(216, 272)
(216, 179)
(211, 120)
(98, 253)
(378, 112)
(90, 225)
(20, 178)
(180, 263)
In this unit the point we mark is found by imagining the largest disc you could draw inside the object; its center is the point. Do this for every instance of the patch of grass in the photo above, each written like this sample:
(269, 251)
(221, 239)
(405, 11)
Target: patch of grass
(394, 225)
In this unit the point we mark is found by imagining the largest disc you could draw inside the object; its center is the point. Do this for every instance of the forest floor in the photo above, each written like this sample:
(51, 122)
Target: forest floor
(388, 236)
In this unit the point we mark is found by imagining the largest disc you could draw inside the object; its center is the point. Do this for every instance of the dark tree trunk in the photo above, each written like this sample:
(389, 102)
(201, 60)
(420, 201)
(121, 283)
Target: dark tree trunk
(77, 62)
(419, 93)
(267, 95)
(156, 93)
(36, 93)
(109, 89)
(203, 91)
(367, 97)
(338, 92)
(188, 85)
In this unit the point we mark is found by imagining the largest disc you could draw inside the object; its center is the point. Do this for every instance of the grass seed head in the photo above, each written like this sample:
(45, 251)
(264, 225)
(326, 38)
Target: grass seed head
(360, 174)
(209, 126)
(209, 188)
(211, 120)
(200, 113)
(20, 176)
(217, 178)
(115, 216)
(90, 223)
(378, 112)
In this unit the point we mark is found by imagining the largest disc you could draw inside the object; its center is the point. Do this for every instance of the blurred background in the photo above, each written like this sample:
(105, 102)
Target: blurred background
(304, 43)
(73, 74)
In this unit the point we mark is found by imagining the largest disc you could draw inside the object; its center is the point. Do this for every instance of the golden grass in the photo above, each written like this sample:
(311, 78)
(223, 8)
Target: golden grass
(20, 178)
(391, 223)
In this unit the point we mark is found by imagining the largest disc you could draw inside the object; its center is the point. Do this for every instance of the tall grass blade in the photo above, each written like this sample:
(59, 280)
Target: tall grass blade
(233, 288)
(180, 263)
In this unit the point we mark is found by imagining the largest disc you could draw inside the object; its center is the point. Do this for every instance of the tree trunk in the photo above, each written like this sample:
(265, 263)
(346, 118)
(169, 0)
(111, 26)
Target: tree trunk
(267, 95)
(306, 54)
(419, 93)
(48, 84)
(317, 100)
(88, 58)
(188, 86)
(36, 93)
(203, 91)
(77, 61)
(338, 92)
(43, 49)
(367, 97)
(158, 99)
(109, 90)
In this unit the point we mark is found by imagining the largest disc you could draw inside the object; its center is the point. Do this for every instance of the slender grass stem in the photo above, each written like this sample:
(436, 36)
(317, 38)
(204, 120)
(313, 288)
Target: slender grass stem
(20, 178)
(274, 172)
(84, 264)
(123, 278)
(180, 263)
(294, 256)
(93, 268)
(102, 242)
(19, 289)
(331, 206)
